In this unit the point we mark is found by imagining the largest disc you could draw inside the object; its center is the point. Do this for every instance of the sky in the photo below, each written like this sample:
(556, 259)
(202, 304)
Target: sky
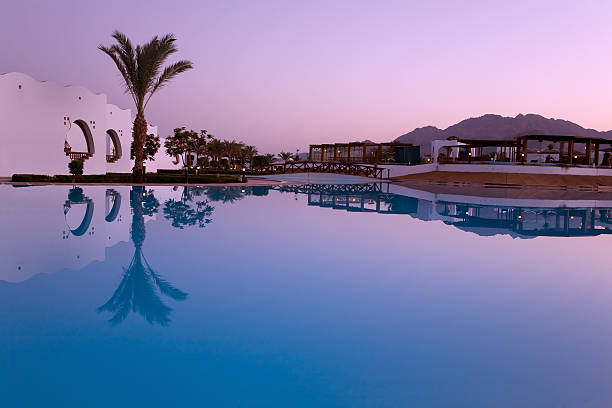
(284, 74)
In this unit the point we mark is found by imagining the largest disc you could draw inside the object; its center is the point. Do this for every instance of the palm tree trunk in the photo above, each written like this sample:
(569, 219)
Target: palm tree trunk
(139, 133)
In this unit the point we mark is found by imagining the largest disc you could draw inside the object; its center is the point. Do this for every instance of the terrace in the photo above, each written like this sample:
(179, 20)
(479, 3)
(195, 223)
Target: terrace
(365, 152)
(529, 149)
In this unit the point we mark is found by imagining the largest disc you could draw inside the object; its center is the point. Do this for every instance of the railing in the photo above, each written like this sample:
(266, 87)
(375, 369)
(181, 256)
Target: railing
(326, 167)
(79, 155)
(111, 158)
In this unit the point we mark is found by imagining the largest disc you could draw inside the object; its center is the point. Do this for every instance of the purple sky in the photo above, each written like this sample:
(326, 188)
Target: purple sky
(284, 74)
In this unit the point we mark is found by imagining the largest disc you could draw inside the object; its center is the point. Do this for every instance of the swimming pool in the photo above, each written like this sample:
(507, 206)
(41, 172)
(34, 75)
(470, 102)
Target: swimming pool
(310, 295)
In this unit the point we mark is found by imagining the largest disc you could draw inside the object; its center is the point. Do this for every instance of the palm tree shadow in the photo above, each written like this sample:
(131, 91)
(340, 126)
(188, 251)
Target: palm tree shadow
(141, 287)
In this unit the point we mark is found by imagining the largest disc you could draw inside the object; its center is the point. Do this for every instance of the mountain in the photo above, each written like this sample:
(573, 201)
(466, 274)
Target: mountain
(496, 127)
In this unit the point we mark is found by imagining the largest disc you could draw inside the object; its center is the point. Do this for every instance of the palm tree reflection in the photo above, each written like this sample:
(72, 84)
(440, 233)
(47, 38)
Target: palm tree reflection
(141, 287)
(225, 194)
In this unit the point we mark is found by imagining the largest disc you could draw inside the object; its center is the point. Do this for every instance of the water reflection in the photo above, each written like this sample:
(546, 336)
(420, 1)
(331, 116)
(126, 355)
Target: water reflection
(141, 287)
(521, 218)
(113, 200)
(226, 194)
(188, 211)
(76, 197)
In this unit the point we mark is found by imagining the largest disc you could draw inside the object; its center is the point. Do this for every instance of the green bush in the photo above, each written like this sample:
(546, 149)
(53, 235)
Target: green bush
(76, 167)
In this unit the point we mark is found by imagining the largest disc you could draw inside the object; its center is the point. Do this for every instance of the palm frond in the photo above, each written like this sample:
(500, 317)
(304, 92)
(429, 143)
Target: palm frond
(141, 66)
(169, 73)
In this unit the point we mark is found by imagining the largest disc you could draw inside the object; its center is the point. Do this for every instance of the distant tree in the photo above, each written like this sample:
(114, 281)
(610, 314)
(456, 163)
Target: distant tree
(178, 145)
(185, 143)
(285, 156)
(215, 150)
(247, 154)
(235, 151)
(270, 158)
(151, 147)
(75, 167)
(259, 161)
(141, 70)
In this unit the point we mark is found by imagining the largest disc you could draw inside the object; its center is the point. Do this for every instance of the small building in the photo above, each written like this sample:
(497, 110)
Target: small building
(46, 125)
(533, 148)
(365, 152)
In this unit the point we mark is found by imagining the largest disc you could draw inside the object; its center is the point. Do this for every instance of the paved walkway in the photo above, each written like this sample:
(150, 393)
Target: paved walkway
(534, 180)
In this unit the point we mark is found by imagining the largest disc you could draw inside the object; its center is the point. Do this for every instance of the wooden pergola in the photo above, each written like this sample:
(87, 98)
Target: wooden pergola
(361, 152)
(518, 148)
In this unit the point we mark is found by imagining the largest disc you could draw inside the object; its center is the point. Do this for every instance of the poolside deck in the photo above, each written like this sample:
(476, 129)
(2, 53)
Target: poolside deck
(509, 179)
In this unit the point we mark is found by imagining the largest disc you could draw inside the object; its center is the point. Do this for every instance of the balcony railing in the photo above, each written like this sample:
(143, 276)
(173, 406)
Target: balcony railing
(79, 155)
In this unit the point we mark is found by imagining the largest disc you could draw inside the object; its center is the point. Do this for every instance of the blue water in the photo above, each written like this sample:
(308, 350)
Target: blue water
(326, 296)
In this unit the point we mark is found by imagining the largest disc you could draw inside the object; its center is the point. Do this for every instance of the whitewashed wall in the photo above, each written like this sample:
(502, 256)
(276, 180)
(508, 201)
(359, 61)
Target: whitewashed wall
(34, 127)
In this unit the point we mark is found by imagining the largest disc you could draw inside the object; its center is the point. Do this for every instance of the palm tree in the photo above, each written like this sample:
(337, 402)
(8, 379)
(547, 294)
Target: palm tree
(248, 152)
(285, 157)
(141, 70)
(234, 149)
(215, 150)
(270, 158)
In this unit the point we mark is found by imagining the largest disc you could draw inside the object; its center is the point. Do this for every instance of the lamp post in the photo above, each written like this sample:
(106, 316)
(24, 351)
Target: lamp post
(144, 171)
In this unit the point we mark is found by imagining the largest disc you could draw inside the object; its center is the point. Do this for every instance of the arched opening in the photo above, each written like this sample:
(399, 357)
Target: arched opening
(113, 200)
(79, 143)
(113, 146)
(76, 197)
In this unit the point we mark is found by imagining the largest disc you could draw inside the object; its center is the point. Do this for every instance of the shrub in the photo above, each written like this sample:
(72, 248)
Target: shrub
(76, 167)
(259, 161)
(76, 195)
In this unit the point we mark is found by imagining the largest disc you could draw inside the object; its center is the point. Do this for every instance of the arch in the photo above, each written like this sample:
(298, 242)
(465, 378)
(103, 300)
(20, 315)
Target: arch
(114, 211)
(114, 137)
(86, 221)
(88, 137)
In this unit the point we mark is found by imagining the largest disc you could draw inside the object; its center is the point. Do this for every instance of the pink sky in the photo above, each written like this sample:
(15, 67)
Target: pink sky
(281, 75)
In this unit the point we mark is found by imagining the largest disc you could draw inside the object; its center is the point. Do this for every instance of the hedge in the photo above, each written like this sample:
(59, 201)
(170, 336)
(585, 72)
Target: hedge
(151, 178)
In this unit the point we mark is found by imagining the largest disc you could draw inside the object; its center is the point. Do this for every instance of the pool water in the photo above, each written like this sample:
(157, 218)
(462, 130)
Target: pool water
(301, 296)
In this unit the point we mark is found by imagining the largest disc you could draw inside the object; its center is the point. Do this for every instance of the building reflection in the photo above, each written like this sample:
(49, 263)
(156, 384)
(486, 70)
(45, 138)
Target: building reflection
(141, 287)
(77, 197)
(523, 220)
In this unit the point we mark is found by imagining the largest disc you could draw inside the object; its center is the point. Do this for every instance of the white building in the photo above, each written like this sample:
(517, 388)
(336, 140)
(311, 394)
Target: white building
(45, 125)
